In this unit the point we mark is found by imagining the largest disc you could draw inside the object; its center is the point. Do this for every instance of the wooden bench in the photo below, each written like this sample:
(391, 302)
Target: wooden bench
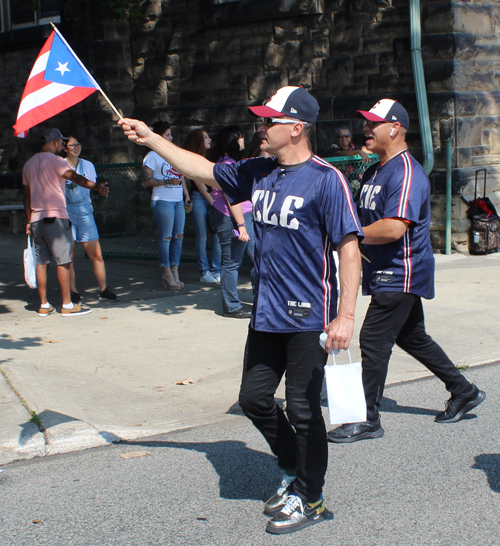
(17, 222)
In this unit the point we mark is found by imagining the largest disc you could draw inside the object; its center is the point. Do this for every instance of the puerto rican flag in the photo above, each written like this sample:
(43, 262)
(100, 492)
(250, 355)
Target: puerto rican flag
(57, 81)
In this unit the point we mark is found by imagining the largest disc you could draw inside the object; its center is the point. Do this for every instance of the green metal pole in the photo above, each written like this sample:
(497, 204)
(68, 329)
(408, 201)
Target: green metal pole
(448, 197)
(420, 89)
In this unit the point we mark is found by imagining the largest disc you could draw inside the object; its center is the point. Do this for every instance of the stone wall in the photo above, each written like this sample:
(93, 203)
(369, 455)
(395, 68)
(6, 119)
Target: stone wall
(462, 66)
(200, 63)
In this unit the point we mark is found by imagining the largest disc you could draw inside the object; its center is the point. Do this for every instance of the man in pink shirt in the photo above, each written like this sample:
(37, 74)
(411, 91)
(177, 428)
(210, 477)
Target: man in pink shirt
(44, 185)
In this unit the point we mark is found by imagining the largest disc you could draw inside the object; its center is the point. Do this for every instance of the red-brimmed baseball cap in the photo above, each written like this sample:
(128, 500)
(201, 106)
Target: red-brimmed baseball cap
(294, 102)
(386, 110)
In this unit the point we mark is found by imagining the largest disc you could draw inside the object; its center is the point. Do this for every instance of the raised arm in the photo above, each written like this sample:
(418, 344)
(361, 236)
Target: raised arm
(192, 165)
(100, 187)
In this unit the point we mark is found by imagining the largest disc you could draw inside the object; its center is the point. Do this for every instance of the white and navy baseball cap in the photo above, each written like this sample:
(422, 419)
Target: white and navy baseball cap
(386, 110)
(294, 102)
(52, 134)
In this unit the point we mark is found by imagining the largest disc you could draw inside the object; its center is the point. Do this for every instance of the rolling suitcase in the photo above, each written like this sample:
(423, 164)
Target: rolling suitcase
(485, 223)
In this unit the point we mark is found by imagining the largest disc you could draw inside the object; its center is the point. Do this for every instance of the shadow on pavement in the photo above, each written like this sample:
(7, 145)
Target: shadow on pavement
(490, 464)
(138, 286)
(391, 406)
(138, 283)
(244, 473)
(7, 342)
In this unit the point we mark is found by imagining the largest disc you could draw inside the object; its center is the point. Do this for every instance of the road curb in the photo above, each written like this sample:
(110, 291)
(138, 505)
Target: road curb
(65, 437)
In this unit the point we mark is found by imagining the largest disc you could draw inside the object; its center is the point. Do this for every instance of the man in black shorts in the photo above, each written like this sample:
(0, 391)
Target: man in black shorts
(44, 185)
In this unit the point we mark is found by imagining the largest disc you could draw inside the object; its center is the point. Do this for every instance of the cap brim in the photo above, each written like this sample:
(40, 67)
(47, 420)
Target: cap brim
(368, 115)
(265, 112)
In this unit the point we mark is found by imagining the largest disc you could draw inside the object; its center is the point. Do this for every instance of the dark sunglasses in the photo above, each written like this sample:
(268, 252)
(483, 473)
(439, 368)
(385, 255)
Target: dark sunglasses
(373, 124)
(269, 122)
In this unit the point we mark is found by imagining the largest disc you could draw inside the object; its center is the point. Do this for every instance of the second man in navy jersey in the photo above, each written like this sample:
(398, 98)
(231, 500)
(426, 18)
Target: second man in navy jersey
(302, 210)
(398, 271)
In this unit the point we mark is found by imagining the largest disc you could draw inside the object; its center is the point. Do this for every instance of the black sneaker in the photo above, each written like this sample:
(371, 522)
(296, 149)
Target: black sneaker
(295, 516)
(238, 314)
(457, 406)
(278, 500)
(75, 297)
(107, 295)
(353, 432)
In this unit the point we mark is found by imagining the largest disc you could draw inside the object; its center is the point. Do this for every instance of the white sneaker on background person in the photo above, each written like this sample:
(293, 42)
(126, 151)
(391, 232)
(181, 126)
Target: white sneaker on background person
(208, 278)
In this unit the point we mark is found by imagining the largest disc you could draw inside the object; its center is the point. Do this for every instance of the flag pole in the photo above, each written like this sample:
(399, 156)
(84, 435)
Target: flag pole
(111, 104)
(90, 75)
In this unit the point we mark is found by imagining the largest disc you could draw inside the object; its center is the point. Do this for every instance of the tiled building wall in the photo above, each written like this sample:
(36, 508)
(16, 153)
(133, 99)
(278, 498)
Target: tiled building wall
(200, 63)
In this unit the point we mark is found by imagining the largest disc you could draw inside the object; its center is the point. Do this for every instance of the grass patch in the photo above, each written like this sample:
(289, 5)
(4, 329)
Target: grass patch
(35, 419)
(461, 367)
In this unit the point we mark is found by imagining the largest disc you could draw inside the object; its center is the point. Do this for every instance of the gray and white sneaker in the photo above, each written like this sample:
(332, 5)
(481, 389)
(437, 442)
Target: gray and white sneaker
(208, 278)
(278, 500)
(296, 515)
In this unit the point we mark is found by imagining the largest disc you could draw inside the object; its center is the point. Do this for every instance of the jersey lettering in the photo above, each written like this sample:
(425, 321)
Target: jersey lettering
(286, 211)
(267, 197)
(256, 197)
(267, 208)
(367, 199)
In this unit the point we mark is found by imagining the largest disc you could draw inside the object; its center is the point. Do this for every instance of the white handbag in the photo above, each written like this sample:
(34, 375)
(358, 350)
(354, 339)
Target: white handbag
(29, 258)
(346, 396)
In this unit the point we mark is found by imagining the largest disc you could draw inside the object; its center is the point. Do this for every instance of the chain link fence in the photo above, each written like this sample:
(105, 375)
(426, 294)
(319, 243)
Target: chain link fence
(353, 168)
(125, 221)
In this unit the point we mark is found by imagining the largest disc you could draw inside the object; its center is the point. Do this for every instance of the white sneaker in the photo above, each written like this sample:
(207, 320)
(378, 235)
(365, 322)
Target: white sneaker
(216, 276)
(207, 278)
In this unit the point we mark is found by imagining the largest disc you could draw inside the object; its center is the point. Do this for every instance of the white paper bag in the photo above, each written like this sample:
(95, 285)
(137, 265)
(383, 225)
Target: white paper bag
(30, 263)
(346, 396)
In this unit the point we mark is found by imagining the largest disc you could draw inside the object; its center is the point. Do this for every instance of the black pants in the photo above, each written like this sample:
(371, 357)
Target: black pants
(398, 318)
(298, 438)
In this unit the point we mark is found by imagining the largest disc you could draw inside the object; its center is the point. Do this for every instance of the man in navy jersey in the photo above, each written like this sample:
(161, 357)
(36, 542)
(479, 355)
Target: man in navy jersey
(398, 270)
(303, 211)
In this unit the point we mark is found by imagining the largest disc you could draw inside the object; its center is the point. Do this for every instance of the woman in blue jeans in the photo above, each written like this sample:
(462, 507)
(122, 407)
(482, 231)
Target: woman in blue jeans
(168, 202)
(198, 141)
(81, 214)
(233, 224)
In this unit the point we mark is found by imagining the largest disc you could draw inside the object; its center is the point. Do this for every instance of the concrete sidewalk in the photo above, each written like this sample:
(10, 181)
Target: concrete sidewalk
(113, 374)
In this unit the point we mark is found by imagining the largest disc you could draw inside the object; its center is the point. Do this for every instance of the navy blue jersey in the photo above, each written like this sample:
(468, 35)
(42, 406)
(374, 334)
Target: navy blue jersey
(398, 189)
(301, 213)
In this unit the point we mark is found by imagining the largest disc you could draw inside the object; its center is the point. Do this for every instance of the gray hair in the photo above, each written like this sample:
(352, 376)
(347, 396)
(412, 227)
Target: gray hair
(341, 128)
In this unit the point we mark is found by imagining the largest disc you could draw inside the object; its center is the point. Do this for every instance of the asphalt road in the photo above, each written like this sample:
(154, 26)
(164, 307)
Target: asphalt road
(422, 484)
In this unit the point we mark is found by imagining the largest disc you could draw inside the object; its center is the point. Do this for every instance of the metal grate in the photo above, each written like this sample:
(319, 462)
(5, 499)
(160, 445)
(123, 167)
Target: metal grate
(127, 228)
